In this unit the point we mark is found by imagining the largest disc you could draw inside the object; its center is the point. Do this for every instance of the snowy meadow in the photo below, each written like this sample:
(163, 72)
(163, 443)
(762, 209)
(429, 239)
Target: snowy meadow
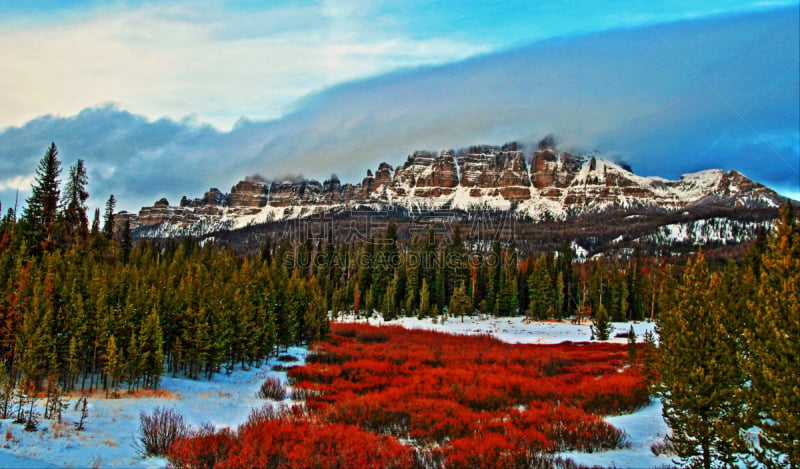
(111, 430)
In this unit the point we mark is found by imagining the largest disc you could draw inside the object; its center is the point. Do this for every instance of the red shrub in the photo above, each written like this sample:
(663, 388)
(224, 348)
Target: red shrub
(618, 393)
(465, 401)
(202, 450)
(569, 428)
(491, 451)
(305, 443)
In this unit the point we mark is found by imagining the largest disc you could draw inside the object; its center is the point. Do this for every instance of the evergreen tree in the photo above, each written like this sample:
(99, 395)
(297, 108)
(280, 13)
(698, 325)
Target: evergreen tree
(774, 345)
(541, 294)
(701, 384)
(632, 346)
(601, 324)
(412, 282)
(108, 217)
(126, 244)
(390, 298)
(76, 221)
(649, 364)
(39, 216)
(460, 302)
(424, 300)
(113, 366)
(507, 299)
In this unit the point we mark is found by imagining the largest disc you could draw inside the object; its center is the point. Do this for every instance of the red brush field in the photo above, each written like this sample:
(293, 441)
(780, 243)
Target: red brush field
(460, 401)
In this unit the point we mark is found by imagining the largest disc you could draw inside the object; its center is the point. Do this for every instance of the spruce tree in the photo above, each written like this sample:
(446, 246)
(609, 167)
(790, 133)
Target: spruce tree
(390, 298)
(108, 217)
(113, 366)
(507, 304)
(632, 346)
(76, 221)
(424, 300)
(649, 360)
(460, 302)
(774, 344)
(39, 216)
(601, 324)
(541, 296)
(701, 383)
(126, 243)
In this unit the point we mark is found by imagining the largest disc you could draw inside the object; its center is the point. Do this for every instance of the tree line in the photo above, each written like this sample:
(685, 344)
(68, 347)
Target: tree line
(449, 276)
(81, 307)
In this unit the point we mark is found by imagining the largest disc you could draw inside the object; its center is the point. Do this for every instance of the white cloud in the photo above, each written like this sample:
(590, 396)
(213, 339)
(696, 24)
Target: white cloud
(172, 60)
(23, 183)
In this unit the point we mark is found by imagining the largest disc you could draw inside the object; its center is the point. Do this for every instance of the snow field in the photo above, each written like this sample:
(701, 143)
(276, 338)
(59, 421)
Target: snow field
(112, 428)
(226, 400)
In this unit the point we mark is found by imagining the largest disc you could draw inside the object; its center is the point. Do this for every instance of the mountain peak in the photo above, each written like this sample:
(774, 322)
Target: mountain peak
(557, 184)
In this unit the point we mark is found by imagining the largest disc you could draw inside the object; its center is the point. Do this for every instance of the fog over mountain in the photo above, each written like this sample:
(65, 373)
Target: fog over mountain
(668, 99)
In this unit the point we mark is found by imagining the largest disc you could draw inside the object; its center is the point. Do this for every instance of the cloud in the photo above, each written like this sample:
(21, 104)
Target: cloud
(162, 60)
(668, 99)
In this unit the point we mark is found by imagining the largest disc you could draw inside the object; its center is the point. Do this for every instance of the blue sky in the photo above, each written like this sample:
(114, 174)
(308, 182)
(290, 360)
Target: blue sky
(220, 61)
(130, 86)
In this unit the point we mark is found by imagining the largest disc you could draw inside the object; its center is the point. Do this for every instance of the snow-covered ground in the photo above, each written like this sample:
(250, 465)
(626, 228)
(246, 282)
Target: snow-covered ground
(643, 428)
(112, 426)
(514, 330)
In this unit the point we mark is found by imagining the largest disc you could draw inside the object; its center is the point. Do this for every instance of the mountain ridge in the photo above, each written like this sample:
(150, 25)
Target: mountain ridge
(551, 185)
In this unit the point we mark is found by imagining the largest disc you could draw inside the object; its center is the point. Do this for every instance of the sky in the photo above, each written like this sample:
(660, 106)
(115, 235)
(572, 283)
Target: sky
(171, 98)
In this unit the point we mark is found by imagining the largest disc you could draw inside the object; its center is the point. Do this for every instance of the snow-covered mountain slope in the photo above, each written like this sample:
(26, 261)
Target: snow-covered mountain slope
(552, 186)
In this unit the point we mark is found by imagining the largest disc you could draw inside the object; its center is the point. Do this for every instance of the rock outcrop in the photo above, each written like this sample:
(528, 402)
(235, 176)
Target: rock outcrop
(557, 184)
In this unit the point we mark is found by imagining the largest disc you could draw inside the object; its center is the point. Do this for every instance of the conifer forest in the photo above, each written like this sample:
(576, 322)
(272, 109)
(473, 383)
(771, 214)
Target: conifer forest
(86, 309)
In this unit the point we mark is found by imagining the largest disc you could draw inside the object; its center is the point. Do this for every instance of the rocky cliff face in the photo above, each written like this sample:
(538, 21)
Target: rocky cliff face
(250, 193)
(556, 185)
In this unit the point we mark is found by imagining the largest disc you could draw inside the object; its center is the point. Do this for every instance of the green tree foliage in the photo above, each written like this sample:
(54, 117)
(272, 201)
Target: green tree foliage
(108, 217)
(460, 302)
(699, 370)
(113, 365)
(774, 346)
(424, 300)
(633, 347)
(543, 296)
(76, 221)
(601, 324)
(108, 313)
(39, 216)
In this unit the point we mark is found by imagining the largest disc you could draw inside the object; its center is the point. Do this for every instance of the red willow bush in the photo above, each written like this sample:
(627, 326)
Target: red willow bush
(291, 441)
(466, 401)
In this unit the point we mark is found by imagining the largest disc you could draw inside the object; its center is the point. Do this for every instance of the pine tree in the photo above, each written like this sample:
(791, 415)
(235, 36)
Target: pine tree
(632, 346)
(39, 216)
(507, 299)
(390, 298)
(774, 344)
(126, 244)
(424, 300)
(541, 294)
(558, 296)
(76, 222)
(601, 324)
(460, 302)
(649, 364)
(108, 217)
(113, 366)
(701, 383)
(412, 281)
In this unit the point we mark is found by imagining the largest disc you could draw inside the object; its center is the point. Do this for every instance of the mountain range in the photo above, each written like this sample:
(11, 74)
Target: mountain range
(547, 186)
